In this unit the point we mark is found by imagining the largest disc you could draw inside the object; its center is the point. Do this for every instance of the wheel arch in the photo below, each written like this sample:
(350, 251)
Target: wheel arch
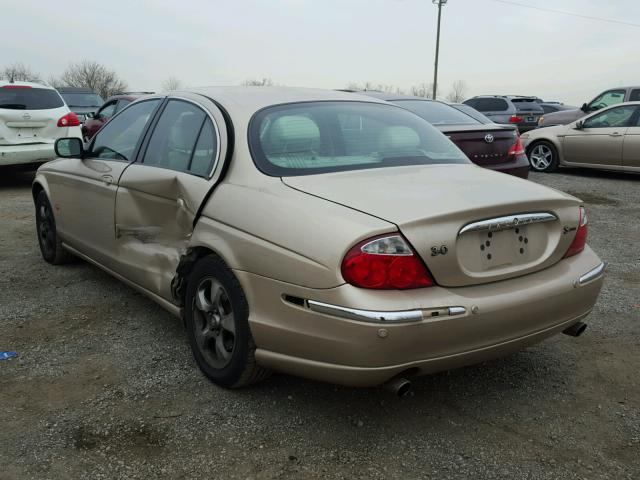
(40, 184)
(555, 143)
(187, 262)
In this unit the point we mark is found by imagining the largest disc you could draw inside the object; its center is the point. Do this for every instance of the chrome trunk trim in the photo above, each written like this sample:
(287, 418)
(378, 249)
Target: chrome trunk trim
(507, 222)
(591, 275)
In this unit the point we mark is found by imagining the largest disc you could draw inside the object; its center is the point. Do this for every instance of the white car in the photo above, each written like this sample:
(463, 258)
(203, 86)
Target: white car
(32, 118)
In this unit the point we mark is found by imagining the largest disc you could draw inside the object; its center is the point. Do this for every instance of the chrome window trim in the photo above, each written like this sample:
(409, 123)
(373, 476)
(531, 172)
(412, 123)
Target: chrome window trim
(507, 222)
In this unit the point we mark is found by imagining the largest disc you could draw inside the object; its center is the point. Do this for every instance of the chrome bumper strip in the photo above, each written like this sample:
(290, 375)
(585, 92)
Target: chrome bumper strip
(591, 275)
(383, 317)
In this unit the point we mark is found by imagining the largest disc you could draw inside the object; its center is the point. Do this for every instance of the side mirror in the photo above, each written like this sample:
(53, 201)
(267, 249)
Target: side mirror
(579, 125)
(584, 107)
(69, 147)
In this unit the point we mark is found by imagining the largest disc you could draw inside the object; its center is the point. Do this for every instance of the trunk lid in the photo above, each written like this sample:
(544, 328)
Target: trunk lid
(432, 205)
(483, 144)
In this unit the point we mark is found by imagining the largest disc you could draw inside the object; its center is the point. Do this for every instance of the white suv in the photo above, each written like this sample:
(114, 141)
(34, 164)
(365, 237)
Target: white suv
(32, 117)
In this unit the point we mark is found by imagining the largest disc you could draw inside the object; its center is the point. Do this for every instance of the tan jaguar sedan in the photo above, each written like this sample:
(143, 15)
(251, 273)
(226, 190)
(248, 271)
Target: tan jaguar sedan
(318, 233)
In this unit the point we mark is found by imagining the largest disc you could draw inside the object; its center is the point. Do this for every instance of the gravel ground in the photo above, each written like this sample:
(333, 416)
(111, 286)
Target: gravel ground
(105, 385)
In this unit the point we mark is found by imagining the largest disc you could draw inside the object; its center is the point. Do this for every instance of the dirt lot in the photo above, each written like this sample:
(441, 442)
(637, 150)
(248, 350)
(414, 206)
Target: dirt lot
(105, 385)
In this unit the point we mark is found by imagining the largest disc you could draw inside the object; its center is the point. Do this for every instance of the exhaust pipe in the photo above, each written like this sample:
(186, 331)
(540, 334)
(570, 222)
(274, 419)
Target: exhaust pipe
(398, 386)
(576, 329)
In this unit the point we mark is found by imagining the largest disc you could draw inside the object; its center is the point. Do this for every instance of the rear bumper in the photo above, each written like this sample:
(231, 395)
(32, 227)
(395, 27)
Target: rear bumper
(518, 167)
(488, 321)
(21, 154)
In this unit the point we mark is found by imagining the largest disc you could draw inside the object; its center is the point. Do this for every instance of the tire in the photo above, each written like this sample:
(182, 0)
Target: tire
(543, 157)
(217, 324)
(48, 239)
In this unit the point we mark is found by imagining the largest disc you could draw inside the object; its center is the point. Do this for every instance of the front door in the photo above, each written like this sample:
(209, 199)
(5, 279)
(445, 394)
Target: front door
(599, 141)
(160, 195)
(85, 193)
(631, 147)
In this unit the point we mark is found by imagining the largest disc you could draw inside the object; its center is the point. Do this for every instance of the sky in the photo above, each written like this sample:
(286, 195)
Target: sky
(493, 47)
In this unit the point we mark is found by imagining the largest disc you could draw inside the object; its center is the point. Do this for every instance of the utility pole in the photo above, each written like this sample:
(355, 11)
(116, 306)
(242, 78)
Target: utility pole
(440, 3)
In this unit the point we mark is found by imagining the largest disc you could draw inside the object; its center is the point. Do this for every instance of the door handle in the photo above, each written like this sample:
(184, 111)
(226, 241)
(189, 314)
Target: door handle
(615, 134)
(108, 179)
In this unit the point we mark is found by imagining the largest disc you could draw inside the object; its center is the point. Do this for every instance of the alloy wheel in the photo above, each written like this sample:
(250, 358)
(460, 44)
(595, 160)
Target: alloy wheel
(46, 229)
(541, 157)
(214, 323)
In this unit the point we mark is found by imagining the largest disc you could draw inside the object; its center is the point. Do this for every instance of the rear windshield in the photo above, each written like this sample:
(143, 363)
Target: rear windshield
(528, 104)
(16, 98)
(437, 113)
(82, 99)
(488, 104)
(319, 137)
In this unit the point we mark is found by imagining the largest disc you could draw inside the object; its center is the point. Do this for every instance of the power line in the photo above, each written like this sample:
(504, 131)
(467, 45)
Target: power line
(571, 14)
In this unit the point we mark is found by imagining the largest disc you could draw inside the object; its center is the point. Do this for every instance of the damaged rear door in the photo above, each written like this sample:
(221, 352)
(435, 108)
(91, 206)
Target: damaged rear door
(160, 195)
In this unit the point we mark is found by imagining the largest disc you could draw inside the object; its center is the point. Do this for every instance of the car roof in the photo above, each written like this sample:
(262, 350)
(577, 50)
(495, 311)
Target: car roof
(123, 96)
(25, 84)
(390, 97)
(246, 100)
(75, 90)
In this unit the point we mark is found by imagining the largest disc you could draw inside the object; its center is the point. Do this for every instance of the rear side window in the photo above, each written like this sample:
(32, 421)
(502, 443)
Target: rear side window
(184, 139)
(26, 98)
(118, 139)
(437, 113)
(488, 104)
(320, 137)
(548, 109)
(634, 96)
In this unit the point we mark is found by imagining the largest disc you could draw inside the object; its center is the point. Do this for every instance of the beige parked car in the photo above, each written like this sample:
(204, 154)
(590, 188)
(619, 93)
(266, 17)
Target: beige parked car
(607, 139)
(318, 233)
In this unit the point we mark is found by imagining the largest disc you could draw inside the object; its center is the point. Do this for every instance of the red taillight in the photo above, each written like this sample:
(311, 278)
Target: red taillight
(69, 120)
(515, 119)
(17, 86)
(385, 263)
(517, 148)
(580, 240)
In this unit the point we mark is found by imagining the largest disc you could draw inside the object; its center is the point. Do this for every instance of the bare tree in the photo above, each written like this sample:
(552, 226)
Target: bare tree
(263, 82)
(424, 90)
(458, 92)
(90, 74)
(171, 83)
(18, 72)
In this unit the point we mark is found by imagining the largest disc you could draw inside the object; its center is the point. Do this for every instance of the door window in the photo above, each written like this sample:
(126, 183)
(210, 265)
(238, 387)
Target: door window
(121, 104)
(635, 95)
(607, 99)
(548, 109)
(616, 117)
(206, 151)
(118, 139)
(107, 111)
(173, 142)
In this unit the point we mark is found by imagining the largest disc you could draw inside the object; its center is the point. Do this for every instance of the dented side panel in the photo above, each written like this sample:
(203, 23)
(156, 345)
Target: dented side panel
(274, 231)
(155, 210)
